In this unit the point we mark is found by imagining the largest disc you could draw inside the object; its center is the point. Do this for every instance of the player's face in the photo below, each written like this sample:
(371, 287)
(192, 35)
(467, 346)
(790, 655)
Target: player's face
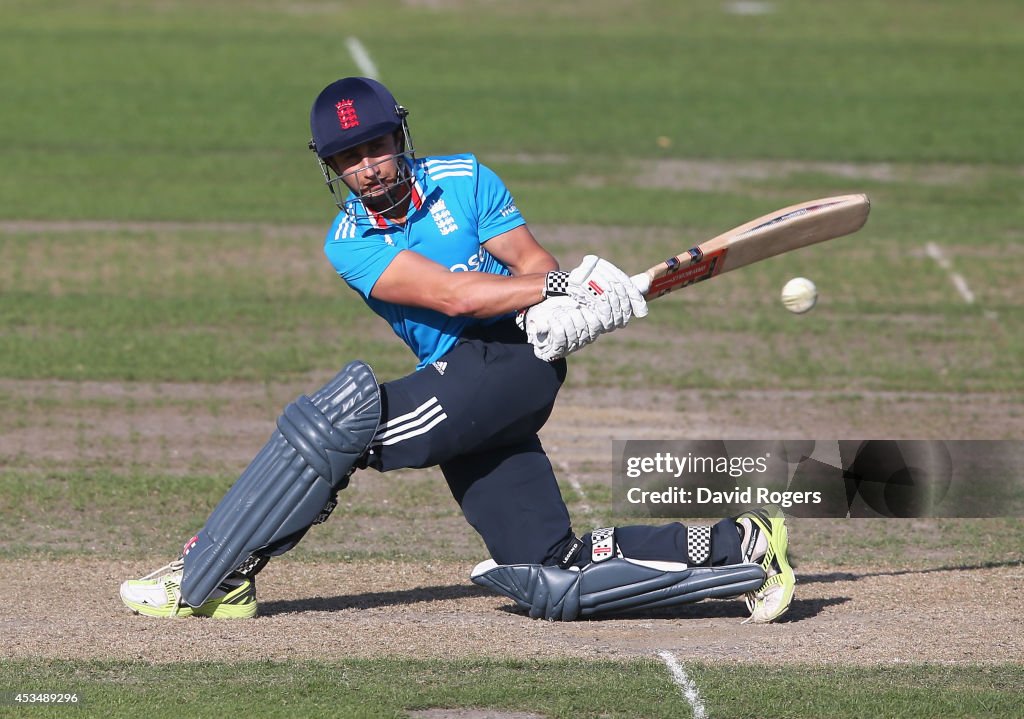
(370, 170)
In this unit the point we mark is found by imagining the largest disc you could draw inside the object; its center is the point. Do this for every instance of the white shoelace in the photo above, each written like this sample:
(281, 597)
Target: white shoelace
(176, 566)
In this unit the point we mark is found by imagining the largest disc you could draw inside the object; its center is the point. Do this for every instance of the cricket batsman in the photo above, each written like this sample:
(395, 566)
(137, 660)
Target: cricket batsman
(437, 247)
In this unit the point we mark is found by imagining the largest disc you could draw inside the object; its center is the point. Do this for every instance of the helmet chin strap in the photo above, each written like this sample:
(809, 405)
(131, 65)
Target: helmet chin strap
(392, 196)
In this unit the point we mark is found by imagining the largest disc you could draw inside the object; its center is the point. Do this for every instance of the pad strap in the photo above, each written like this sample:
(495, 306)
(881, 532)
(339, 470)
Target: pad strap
(571, 553)
(602, 545)
(698, 545)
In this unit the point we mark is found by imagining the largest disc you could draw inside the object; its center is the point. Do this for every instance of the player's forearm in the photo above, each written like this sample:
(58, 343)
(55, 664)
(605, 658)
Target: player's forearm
(414, 281)
(479, 294)
(486, 295)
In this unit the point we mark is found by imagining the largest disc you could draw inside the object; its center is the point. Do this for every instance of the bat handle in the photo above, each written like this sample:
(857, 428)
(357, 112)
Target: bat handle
(642, 282)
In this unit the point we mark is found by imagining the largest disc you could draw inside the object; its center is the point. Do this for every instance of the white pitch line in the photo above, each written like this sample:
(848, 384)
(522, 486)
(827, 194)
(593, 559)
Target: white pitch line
(685, 684)
(361, 57)
(936, 253)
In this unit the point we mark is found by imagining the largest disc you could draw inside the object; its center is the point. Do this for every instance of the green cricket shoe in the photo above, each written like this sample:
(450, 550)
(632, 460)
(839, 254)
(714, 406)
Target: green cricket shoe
(766, 542)
(159, 595)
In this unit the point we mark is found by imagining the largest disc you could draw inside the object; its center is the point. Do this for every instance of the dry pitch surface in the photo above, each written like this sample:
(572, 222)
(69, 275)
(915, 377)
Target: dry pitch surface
(864, 614)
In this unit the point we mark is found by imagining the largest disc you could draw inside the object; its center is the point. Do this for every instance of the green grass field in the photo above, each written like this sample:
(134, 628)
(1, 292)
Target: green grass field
(552, 689)
(161, 222)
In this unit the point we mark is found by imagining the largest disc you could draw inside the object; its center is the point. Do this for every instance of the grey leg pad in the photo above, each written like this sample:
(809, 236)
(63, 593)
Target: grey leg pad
(307, 459)
(616, 585)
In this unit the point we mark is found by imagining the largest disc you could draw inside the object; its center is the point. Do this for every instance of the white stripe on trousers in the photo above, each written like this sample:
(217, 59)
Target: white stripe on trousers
(412, 424)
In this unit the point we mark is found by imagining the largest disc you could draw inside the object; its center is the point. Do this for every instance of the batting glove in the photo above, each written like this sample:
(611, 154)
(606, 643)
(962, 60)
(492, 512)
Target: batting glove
(602, 287)
(559, 326)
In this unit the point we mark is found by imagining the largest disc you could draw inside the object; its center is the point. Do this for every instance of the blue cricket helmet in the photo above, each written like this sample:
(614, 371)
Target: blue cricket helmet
(350, 112)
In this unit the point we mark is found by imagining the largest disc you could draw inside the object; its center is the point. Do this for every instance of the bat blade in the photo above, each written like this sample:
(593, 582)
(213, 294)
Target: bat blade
(784, 230)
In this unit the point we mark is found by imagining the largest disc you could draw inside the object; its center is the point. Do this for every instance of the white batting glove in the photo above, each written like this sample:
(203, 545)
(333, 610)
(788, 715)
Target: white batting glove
(602, 287)
(558, 326)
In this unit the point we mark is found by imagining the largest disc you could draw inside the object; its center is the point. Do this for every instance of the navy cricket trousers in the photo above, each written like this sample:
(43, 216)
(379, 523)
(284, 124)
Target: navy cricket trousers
(476, 413)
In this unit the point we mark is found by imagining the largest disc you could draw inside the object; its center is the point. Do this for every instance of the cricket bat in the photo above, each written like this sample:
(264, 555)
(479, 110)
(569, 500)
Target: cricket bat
(784, 230)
